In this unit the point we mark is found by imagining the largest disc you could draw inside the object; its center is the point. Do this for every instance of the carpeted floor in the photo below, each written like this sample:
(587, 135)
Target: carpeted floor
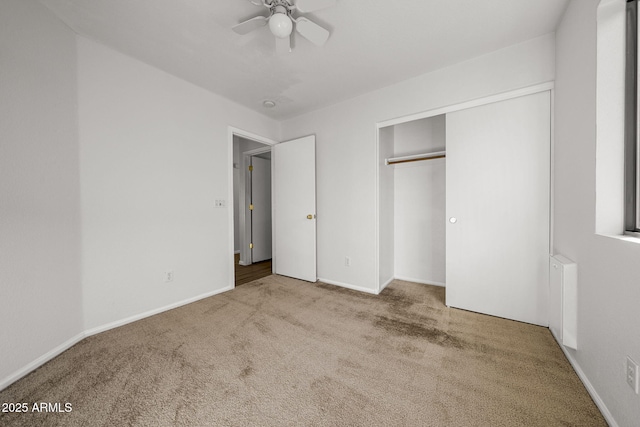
(280, 352)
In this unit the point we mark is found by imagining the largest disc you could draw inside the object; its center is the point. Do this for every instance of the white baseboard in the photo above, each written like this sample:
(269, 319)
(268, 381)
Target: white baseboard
(592, 391)
(236, 252)
(71, 342)
(6, 382)
(385, 284)
(149, 313)
(348, 286)
(422, 282)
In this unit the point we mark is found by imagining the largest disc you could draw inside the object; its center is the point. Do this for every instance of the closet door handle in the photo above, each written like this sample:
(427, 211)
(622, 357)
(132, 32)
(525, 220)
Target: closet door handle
(453, 220)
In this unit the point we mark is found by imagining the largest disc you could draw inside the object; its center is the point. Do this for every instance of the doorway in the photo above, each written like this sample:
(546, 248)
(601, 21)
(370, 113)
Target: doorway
(293, 223)
(252, 240)
(412, 230)
(259, 199)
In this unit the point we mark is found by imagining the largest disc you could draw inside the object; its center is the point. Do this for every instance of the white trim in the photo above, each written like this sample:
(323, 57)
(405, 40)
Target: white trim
(376, 216)
(249, 135)
(592, 391)
(257, 151)
(468, 104)
(385, 284)
(552, 175)
(422, 282)
(6, 382)
(155, 311)
(236, 252)
(621, 237)
(348, 286)
(230, 205)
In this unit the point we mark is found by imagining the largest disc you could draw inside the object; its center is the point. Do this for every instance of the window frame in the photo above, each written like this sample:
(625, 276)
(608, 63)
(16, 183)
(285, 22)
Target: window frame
(632, 122)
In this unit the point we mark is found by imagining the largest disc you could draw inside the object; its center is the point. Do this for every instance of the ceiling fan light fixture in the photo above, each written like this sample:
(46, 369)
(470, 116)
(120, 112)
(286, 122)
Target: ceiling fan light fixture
(281, 22)
(280, 25)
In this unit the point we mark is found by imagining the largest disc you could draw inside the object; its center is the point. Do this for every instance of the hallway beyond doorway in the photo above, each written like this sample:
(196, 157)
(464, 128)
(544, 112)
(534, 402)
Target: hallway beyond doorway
(249, 273)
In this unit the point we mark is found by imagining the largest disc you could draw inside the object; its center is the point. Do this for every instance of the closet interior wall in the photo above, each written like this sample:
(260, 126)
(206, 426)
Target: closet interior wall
(412, 211)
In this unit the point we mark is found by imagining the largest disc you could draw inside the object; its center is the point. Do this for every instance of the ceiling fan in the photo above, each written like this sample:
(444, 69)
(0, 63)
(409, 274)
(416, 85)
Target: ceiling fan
(281, 21)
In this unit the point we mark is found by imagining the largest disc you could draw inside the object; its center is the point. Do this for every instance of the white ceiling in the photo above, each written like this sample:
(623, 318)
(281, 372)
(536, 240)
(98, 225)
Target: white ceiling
(373, 43)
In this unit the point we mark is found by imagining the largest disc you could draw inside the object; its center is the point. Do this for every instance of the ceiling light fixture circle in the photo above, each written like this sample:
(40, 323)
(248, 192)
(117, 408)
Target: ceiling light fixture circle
(280, 25)
(268, 104)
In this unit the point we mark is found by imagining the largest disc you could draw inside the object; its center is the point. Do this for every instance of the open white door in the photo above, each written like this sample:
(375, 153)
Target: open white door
(294, 179)
(260, 209)
(498, 172)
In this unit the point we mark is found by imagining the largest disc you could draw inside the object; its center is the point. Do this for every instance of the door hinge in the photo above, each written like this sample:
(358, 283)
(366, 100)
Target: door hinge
(251, 168)
(250, 207)
(250, 245)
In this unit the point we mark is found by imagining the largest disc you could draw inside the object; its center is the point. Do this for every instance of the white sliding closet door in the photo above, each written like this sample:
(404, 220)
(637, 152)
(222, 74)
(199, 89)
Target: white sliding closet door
(497, 177)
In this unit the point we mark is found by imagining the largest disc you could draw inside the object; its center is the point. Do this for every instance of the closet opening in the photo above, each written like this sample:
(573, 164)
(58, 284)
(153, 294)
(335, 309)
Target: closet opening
(477, 219)
(412, 161)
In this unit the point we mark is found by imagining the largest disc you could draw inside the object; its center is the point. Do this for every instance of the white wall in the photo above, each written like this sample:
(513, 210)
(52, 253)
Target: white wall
(419, 225)
(40, 287)
(608, 268)
(154, 157)
(386, 207)
(346, 147)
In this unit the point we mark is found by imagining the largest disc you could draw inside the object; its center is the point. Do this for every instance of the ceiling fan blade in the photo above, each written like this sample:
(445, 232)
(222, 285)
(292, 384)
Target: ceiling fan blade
(283, 45)
(313, 5)
(312, 31)
(252, 24)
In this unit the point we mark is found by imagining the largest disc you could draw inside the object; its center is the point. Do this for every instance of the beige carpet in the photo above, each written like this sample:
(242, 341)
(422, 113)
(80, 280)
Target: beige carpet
(279, 352)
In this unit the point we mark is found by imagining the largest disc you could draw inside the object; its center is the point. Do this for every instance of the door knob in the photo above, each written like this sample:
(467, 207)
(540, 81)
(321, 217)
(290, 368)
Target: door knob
(309, 216)
(453, 220)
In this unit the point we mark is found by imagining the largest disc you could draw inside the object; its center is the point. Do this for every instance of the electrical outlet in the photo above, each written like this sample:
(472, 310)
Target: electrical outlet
(220, 203)
(168, 276)
(347, 261)
(632, 374)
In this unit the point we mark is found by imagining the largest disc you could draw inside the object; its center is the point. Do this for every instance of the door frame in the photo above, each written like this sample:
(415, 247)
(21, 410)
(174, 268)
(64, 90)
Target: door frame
(231, 132)
(246, 257)
(549, 86)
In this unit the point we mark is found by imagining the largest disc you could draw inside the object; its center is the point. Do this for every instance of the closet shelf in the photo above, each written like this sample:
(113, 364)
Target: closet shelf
(415, 158)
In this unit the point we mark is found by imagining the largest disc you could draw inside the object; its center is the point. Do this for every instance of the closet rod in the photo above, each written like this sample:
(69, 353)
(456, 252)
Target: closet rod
(415, 158)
